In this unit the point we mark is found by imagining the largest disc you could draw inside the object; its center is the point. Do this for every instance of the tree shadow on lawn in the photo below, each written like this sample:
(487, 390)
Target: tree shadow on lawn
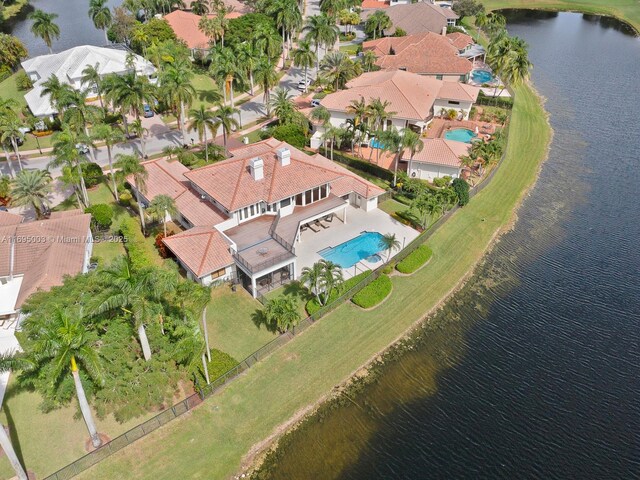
(295, 289)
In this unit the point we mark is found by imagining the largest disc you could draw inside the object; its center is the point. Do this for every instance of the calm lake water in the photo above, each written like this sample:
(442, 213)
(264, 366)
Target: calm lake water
(76, 28)
(533, 369)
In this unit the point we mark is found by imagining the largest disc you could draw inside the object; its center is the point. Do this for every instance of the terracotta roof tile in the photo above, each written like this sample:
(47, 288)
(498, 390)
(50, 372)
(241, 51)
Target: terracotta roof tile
(201, 249)
(7, 218)
(440, 151)
(185, 26)
(366, 4)
(417, 17)
(460, 40)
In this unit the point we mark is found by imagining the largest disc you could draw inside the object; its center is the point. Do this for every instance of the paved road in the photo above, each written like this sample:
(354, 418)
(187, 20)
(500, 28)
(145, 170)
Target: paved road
(250, 111)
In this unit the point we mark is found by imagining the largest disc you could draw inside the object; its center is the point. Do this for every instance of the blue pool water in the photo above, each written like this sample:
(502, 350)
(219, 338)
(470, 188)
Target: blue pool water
(482, 76)
(376, 144)
(460, 135)
(347, 254)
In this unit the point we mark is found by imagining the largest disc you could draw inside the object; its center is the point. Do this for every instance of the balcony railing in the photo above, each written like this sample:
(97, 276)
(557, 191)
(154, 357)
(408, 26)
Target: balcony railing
(259, 267)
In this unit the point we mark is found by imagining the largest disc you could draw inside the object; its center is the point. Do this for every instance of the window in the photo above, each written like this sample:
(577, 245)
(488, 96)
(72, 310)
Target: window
(285, 203)
(316, 194)
(404, 69)
(463, 78)
(438, 77)
(307, 197)
(252, 209)
(299, 199)
(324, 191)
(218, 273)
(451, 102)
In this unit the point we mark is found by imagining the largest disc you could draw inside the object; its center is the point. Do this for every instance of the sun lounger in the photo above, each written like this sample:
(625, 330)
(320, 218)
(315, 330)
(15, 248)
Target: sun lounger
(318, 222)
(314, 229)
(328, 218)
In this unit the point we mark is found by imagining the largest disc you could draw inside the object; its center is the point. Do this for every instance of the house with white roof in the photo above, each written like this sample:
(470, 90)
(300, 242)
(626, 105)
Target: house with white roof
(68, 67)
(245, 216)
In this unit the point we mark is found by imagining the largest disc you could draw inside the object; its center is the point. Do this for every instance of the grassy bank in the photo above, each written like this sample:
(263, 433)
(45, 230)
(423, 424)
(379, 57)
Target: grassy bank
(211, 442)
(625, 10)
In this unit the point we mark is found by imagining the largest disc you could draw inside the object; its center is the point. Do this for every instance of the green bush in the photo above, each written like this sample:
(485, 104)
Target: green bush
(366, 167)
(313, 306)
(374, 293)
(504, 102)
(461, 187)
(291, 133)
(442, 181)
(93, 174)
(220, 364)
(5, 72)
(415, 260)
(134, 243)
(23, 82)
(101, 215)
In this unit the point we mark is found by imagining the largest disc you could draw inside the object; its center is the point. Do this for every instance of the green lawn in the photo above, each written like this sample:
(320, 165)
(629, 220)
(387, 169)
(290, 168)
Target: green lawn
(211, 442)
(230, 325)
(204, 86)
(350, 49)
(392, 206)
(296, 290)
(9, 89)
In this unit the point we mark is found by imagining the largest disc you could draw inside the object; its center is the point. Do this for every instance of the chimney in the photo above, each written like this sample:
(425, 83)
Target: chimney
(284, 155)
(444, 31)
(256, 166)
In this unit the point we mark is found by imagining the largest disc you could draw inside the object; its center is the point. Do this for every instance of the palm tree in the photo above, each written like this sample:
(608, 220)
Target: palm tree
(410, 141)
(110, 136)
(225, 68)
(389, 242)
(282, 312)
(320, 114)
(330, 279)
(200, 7)
(359, 110)
(59, 93)
(44, 27)
(203, 121)
(129, 165)
(136, 293)
(378, 112)
(225, 118)
(10, 128)
(100, 15)
(311, 276)
(322, 32)
(247, 57)
(141, 132)
(338, 69)
(160, 207)
(31, 187)
(282, 105)
(176, 83)
(66, 153)
(267, 41)
(80, 114)
(7, 446)
(288, 18)
(377, 22)
(303, 57)
(368, 60)
(91, 78)
(129, 92)
(266, 76)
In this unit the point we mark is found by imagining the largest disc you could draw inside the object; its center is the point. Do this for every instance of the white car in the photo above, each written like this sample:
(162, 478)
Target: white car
(302, 85)
(82, 148)
(315, 102)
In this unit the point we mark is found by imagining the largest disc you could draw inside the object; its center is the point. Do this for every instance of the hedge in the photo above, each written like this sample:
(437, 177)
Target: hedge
(313, 306)
(367, 167)
(134, 243)
(415, 259)
(220, 364)
(504, 102)
(101, 215)
(374, 293)
(93, 174)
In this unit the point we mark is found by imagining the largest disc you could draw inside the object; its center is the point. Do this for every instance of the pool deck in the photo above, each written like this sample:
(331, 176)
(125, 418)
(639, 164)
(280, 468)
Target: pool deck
(439, 126)
(358, 221)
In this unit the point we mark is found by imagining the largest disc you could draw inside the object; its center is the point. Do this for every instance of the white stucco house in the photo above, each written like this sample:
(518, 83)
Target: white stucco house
(68, 67)
(438, 158)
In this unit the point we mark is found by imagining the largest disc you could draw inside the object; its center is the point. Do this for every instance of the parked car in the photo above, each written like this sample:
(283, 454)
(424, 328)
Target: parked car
(82, 148)
(148, 113)
(302, 85)
(315, 102)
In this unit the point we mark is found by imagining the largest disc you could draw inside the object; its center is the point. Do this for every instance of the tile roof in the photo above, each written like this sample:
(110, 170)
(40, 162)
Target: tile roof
(411, 96)
(424, 53)
(417, 17)
(7, 218)
(440, 151)
(168, 178)
(460, 40)
(201, 249)
(366, 4)
(231, 184)
(185, 25)
(45, 250)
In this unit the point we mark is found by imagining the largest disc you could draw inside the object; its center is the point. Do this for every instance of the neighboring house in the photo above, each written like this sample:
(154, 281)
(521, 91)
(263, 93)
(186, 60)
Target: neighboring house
(413, 99)
(425, 53)
(38, 255)
(68, 67)
(417, 17)
(439, 158)
(185, 26)
(263, 196)
(467, 47)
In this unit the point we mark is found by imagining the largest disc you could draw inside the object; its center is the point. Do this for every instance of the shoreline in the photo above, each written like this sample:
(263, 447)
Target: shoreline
(254, 459)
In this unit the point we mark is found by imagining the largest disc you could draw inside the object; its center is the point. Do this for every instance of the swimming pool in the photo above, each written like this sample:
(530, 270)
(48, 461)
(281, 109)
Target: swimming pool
(376, 144)
(460, 135)
(482, 76)
(367, 245)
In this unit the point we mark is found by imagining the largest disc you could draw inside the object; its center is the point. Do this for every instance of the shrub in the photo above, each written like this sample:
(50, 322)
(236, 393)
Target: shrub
(125, 197)
(415, 260)
(387, 269)
(5, 72)
(93, 174)
(220, 364)
(162, 248)
(461, 188)
(504, 102)
(101, 215)
(364, 166)
(134, 243)
(313, 306)
(400, 32)
(23, 82)
(442, 181)
(291, 133)
(374, 293)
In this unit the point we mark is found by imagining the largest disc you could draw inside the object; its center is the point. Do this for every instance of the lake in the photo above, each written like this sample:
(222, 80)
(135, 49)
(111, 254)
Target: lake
(532, 370)
(76, 28)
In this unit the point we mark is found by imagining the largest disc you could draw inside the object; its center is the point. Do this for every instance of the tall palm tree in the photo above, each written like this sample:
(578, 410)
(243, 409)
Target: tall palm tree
(311, 276)
(338, 69)
(10, 132)
(176, 83)
(80, 114)
(226, 119)
(160, 207)
(203, 121)
(410, 141)
(303, 57)
(129, 92)
(267, 41)
(378, 112)
(320, 114)
(390, 242)
(7, 446)
(266, 76)
(330, 279)
(138, 294)
(287, 17)
(322, 32)
(31, 188)
(129, 166)
(100, 15)
(282, 105)
(59, 93)
(282, 312)
(110, 136)
(247, 57)
(212, 28)
(66, 153)
(368, 60)
(44, 27)
(200, 7)
(91, 78)
(138, 129)
(226, 69)
(377, 23)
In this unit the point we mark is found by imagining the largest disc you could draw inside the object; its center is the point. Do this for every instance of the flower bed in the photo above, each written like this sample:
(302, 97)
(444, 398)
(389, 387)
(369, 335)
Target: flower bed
(374, 293)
